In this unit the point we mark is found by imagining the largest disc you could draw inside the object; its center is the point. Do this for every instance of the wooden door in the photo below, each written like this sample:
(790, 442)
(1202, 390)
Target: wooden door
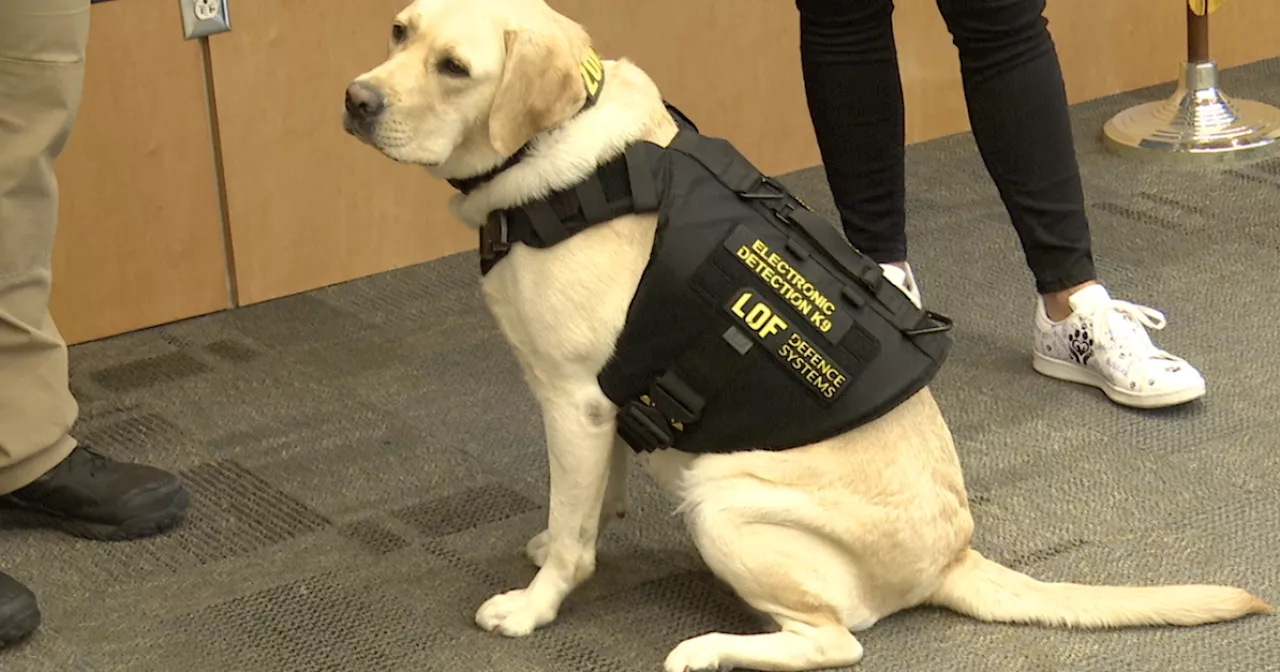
(140, 238)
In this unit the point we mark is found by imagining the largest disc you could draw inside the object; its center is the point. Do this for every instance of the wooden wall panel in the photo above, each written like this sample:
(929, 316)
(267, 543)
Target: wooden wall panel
(1105, 47)
(735, 66)
(1245, 31)
(140, 239)
(308, 205)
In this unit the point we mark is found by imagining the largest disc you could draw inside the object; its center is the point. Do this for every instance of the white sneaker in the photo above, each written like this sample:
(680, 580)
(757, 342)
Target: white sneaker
(904, 280)
(1103, 344)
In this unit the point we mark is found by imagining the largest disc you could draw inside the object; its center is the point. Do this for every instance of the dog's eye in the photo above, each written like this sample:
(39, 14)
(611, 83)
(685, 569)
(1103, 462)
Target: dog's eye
(452, 67)
(398, 32)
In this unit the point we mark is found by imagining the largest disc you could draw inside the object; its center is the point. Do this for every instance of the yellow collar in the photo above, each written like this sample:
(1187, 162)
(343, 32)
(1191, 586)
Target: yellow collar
(592, 71)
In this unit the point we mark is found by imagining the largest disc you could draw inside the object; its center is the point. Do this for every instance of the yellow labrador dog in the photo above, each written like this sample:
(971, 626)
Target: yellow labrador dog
(828, 538)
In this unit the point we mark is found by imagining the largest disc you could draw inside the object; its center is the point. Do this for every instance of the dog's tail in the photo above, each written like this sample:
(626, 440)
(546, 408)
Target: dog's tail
(984, 589)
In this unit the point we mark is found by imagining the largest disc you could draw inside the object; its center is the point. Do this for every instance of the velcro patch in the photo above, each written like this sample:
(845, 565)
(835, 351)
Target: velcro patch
(804, 360)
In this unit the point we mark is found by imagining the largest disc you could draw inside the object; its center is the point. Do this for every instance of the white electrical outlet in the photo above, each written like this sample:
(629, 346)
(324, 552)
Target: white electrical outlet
(206, 9)
(201, 18)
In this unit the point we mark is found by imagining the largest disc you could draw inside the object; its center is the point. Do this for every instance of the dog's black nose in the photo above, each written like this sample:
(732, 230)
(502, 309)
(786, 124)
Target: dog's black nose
(364, 102)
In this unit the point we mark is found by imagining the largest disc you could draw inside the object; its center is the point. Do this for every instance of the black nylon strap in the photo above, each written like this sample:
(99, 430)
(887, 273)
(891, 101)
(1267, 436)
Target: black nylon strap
(698, 374)
(644, 190)
(592, 201)
(608, 193)
(725, 162)
(546, 222)
(899, 310)
(468, 184)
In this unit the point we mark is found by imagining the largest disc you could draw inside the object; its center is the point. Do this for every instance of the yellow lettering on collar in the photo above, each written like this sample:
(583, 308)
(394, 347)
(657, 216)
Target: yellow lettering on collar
(592, 73)
(1202, 7)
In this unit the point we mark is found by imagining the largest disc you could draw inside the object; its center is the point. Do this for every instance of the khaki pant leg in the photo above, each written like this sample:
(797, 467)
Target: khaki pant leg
(42, 49)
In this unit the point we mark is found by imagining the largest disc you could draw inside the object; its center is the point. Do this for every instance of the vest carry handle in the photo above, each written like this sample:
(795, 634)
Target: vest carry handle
(735, 172)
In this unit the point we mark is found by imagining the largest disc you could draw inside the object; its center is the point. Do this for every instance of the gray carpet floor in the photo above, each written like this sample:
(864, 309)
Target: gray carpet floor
(366, 464)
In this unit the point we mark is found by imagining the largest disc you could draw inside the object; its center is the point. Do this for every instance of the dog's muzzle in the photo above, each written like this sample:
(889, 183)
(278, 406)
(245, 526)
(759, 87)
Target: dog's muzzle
(364, 104)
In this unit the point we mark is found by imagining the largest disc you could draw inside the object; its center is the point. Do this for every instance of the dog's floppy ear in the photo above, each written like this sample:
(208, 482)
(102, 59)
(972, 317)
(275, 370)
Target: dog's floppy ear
(541, 87)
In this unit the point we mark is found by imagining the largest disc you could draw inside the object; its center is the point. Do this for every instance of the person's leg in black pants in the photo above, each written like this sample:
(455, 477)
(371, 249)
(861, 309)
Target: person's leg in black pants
(1018, 112)
(850, 65)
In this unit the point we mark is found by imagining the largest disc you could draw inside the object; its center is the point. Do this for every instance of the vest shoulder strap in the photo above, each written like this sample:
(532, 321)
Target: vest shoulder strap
(623, 185)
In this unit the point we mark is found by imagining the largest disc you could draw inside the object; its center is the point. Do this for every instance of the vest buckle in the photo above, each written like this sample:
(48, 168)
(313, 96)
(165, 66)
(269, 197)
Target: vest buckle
(675, 399)
(644, 428)
(494, 240)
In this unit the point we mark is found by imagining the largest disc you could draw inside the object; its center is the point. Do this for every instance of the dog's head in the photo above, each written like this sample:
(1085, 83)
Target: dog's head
(467, 83)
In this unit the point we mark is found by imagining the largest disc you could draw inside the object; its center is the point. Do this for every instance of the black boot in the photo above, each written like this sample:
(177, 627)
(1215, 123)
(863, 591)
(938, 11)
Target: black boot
(93, 496)
(19, 613)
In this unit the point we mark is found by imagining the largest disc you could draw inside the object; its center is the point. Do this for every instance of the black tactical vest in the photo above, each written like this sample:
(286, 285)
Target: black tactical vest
(755, 325)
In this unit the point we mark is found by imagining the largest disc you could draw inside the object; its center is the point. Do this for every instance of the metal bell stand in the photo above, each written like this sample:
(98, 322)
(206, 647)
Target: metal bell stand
(1199, 123)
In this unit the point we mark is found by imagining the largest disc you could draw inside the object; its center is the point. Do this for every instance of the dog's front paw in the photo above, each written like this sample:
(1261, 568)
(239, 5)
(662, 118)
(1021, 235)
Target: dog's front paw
(700, 654)
(514, 614)
(538, 548)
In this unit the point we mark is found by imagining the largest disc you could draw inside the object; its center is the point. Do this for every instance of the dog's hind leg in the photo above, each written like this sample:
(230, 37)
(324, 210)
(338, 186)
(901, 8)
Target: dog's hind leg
(580, 426)
(803, 583)
(615, 503)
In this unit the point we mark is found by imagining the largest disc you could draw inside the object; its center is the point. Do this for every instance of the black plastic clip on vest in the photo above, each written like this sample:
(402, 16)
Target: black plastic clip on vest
(651, 422)
(494, 237)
